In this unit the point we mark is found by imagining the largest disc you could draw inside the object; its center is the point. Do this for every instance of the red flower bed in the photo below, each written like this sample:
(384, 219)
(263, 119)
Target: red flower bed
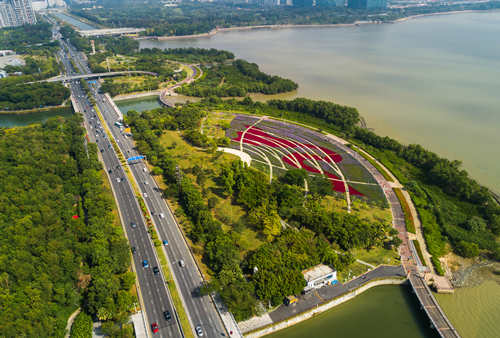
(257, 137)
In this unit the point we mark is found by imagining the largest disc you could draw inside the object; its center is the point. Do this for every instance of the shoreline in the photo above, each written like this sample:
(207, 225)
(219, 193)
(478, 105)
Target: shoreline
(215, 31)
(309, 314)
(33, 110)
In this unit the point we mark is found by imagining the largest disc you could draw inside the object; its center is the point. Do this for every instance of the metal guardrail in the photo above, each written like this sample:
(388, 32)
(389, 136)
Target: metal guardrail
(436, 316)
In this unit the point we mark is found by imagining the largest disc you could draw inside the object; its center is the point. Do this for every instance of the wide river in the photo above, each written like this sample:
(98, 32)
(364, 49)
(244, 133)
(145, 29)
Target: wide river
(434, 80)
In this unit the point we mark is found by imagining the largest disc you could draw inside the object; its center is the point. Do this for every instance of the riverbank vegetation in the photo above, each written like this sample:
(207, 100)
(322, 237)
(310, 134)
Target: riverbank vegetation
(252, 237)
(60, 248)
(196, 18)
(27, 39)
(236, 79)
(28, 96)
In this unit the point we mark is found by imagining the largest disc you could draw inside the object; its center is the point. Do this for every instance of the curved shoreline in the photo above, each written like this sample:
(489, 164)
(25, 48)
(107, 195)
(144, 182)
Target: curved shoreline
(214, 31)
(274, 327)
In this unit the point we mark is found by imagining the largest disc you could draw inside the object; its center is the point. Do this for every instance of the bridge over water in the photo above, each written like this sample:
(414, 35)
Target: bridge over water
(431, 307)
(97, 75)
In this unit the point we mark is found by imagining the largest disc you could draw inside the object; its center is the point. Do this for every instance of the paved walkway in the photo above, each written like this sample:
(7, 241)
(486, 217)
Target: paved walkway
(70, 322)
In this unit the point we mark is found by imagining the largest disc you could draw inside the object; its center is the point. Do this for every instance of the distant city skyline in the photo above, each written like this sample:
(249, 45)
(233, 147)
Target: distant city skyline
(16, 13)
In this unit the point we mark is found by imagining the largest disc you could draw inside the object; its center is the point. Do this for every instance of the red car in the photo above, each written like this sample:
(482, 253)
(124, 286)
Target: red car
(154, 327)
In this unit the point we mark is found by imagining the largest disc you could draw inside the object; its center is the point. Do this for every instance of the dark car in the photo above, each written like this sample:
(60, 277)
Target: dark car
(133, 249)
(110, 171)
(133, 225)
(167, 315)
(154, 327)
(102, 150)
(156, 270)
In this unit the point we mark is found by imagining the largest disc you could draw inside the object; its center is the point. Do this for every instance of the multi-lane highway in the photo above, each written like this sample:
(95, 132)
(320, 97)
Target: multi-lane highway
(201, 310)
(155, 297)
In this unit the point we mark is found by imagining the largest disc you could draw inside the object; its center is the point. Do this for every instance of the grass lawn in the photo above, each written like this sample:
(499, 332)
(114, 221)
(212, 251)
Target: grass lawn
(377, 256)
(214, 124)
(359, 207)
(355, 269)
(133, 80)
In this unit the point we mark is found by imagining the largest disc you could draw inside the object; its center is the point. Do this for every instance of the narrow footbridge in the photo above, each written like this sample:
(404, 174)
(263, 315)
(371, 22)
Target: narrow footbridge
(427, 301)
(97, 75)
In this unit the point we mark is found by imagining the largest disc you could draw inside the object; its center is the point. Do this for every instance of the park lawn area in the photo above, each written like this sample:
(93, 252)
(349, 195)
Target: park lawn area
(188, 156)
(377, 256)
(230, 215)
(134, 80)
(119, 62)
(215, 123)
(360, 207)
(354, 270)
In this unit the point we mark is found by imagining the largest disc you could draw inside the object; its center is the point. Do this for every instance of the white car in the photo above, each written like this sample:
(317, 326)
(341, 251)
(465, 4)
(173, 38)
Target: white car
(118, 179)
(145, 195)
(162, 215)
(199, 331)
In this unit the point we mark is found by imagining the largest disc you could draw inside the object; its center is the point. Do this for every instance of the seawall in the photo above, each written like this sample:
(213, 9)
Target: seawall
(324, 307)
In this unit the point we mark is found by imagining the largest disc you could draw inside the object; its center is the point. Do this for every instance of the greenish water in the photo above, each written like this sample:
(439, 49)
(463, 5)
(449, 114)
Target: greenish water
(17, 120)
(384, 311)
(433, 80)
(475, 310)
(72, 21)
(139, 105)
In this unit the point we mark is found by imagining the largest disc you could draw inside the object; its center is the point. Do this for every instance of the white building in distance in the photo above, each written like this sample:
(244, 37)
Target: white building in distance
(319, 276)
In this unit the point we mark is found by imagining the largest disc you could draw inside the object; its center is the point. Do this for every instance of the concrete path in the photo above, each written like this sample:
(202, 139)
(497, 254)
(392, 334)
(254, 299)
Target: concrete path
(70, 322)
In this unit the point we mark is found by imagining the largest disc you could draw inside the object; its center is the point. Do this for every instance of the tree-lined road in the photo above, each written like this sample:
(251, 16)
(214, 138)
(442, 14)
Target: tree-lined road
(201, 310)
(155, 297)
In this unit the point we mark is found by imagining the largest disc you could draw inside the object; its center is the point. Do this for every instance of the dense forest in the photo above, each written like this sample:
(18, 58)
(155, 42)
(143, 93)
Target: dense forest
(21, 39)
(452, 206)
(314, 235)
(236, 79)
(36, 95)
(60, 246)
(195, 18)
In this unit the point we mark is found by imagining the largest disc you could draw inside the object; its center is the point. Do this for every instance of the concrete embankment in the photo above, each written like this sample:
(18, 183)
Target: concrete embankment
(321, 308)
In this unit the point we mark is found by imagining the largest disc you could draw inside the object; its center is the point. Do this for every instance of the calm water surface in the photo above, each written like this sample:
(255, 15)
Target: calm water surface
(18, 120)
(433, 81)
(72, 21)
(382, 312)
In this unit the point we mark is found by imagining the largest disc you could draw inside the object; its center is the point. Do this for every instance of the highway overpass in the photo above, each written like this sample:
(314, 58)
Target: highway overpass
(97, 75)
(110, 31)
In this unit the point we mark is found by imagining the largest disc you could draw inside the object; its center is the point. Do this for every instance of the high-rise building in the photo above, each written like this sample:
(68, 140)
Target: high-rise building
(7, 15)
(16, 13)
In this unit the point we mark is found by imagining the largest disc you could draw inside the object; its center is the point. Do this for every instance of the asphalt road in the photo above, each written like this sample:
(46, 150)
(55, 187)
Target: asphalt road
(153, 289)
(201, 310)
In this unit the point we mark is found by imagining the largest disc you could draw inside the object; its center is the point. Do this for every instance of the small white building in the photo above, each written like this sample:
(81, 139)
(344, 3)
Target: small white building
(319, 276)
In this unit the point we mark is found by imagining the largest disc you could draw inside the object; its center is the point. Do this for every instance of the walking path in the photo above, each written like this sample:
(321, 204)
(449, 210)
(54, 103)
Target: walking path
(70, 322)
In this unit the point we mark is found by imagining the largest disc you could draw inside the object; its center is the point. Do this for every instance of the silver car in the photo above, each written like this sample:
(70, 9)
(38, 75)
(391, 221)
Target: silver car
(199, 331)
